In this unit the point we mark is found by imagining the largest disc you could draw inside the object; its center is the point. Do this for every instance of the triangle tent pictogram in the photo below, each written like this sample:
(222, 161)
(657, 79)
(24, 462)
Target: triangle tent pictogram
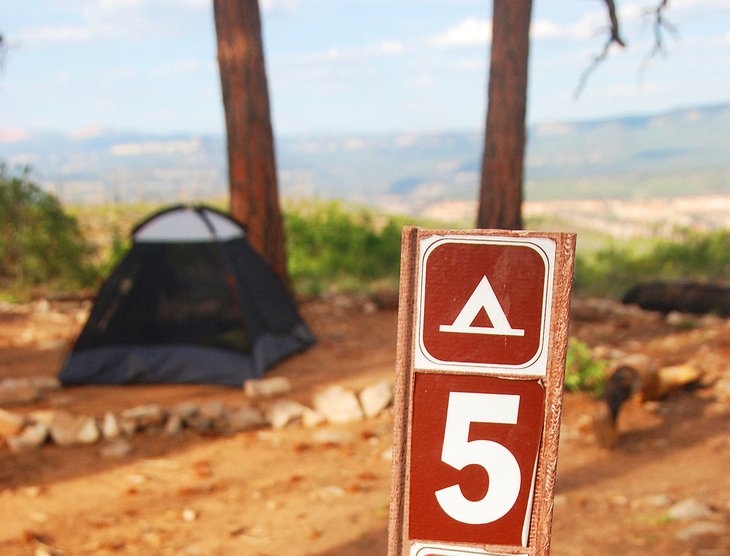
(483, 297)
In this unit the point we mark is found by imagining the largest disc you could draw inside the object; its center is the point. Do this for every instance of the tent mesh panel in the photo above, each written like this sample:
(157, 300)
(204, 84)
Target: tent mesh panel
(169, 294)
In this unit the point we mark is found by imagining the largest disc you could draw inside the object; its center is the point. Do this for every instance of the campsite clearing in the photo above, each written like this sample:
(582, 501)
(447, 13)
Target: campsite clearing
(325, 490)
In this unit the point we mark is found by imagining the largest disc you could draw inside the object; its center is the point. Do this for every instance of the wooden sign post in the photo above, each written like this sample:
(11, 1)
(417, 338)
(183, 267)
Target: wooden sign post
(482, 337)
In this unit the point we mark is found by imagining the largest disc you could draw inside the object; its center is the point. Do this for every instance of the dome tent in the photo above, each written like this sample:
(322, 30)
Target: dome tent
(191, 302)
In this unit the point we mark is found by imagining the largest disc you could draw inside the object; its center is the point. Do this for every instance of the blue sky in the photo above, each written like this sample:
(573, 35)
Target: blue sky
(341, 65)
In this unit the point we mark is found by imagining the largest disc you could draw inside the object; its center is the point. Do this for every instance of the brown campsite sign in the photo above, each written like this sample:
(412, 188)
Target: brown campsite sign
(481, 356)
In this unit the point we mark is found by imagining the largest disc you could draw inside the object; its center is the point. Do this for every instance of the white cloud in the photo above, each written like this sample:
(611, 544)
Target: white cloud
(391, 47)
(472, 31)
(546, 29)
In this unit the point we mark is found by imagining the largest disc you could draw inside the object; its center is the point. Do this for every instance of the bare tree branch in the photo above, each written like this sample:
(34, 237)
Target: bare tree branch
(614, 37)
(661, 27)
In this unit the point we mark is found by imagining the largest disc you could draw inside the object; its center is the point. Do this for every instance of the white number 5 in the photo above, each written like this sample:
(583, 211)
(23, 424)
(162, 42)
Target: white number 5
(500, 464)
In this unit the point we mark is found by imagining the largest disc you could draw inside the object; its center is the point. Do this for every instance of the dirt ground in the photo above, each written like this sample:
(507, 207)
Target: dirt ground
(325, 491)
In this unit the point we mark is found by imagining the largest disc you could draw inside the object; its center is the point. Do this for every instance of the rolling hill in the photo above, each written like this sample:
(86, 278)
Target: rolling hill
(681, 152)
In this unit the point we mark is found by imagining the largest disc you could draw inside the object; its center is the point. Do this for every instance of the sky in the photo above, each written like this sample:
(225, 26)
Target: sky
(343, 66)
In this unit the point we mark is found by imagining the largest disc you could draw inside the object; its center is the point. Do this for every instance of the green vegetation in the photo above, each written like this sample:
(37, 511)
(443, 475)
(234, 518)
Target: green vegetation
(40, 244)
(583, 373)
(612, 270)
(332, 247)
(335, 249)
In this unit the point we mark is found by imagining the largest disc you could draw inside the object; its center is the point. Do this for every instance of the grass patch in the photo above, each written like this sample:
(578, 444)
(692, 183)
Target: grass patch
(612, 270)
(583, 373)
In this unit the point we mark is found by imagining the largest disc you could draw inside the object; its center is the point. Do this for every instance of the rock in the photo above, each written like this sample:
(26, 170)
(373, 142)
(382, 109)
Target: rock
(184, 410)
(267, 387)
(88, 432)
(689, 509)
(214, 410)
(333, 437)
(17, 391)
(652, 501)
(33, 436)
(312, 418)
(369, 307)
(244, 418)
(387, 455)
(189, 515)
(281, 413)
(680, 320)
(144, 416)
(116, 449)
(66, 429)
(376, 398)
(110, 426)
(10, 423)
(45, 383)
(338, 405)
(700, 529)
(174, 425)
(199, 422)
(675, 377)
(128, 426)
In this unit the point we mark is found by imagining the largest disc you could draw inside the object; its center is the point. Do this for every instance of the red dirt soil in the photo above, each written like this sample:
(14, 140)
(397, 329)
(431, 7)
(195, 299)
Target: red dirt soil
(325, 491)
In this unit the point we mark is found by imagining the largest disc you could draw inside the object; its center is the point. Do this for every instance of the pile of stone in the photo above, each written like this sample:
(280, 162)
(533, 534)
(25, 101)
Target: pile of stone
(26, 389)
(265, 407)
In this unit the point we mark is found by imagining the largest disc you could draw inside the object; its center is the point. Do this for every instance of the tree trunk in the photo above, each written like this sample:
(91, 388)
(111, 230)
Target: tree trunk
(253, 191)
(500, 198)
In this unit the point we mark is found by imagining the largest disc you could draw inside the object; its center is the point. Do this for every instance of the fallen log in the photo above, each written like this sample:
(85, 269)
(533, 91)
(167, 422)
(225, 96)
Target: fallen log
(682, 296)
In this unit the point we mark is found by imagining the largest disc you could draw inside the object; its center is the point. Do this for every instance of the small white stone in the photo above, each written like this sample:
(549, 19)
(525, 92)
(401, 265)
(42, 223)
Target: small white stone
(267, 387)
(283, 412)
(33, 436)
(312, 418)
(689, 509)
(117, 448)
(144, 416)
(214, 410)
(110, 426)
(700, 529)
(189, 515)
(88, 431)
(173, 425)
(338, 405)
(376, 398)
(244, 418)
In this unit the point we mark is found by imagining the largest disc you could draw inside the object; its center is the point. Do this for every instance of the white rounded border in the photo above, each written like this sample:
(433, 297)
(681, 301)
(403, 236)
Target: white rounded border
(535, 367)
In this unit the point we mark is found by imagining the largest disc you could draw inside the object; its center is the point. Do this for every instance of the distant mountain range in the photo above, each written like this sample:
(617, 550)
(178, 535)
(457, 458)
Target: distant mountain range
(682, 152)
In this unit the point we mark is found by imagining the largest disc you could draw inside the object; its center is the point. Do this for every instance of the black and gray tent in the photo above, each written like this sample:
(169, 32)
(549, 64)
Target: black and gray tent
(191, 302)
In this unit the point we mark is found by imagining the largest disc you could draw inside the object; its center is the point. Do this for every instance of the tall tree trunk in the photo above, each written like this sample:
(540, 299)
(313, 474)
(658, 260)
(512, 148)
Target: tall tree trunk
(500, 198)
(253, 191)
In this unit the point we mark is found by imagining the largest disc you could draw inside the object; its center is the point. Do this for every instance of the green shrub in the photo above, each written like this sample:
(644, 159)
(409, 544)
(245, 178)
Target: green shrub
(612, 270)
(40, 244)
(583, 373)
(334, 249)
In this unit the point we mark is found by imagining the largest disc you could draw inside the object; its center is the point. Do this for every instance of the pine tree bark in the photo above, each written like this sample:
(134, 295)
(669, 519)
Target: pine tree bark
(253, 188)
(500, 197)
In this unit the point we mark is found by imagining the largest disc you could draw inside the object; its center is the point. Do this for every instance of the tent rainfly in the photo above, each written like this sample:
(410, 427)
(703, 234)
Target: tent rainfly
(191, 302)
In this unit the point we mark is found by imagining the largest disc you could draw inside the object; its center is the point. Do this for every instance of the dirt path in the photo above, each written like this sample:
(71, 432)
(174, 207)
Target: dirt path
(325, 491)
